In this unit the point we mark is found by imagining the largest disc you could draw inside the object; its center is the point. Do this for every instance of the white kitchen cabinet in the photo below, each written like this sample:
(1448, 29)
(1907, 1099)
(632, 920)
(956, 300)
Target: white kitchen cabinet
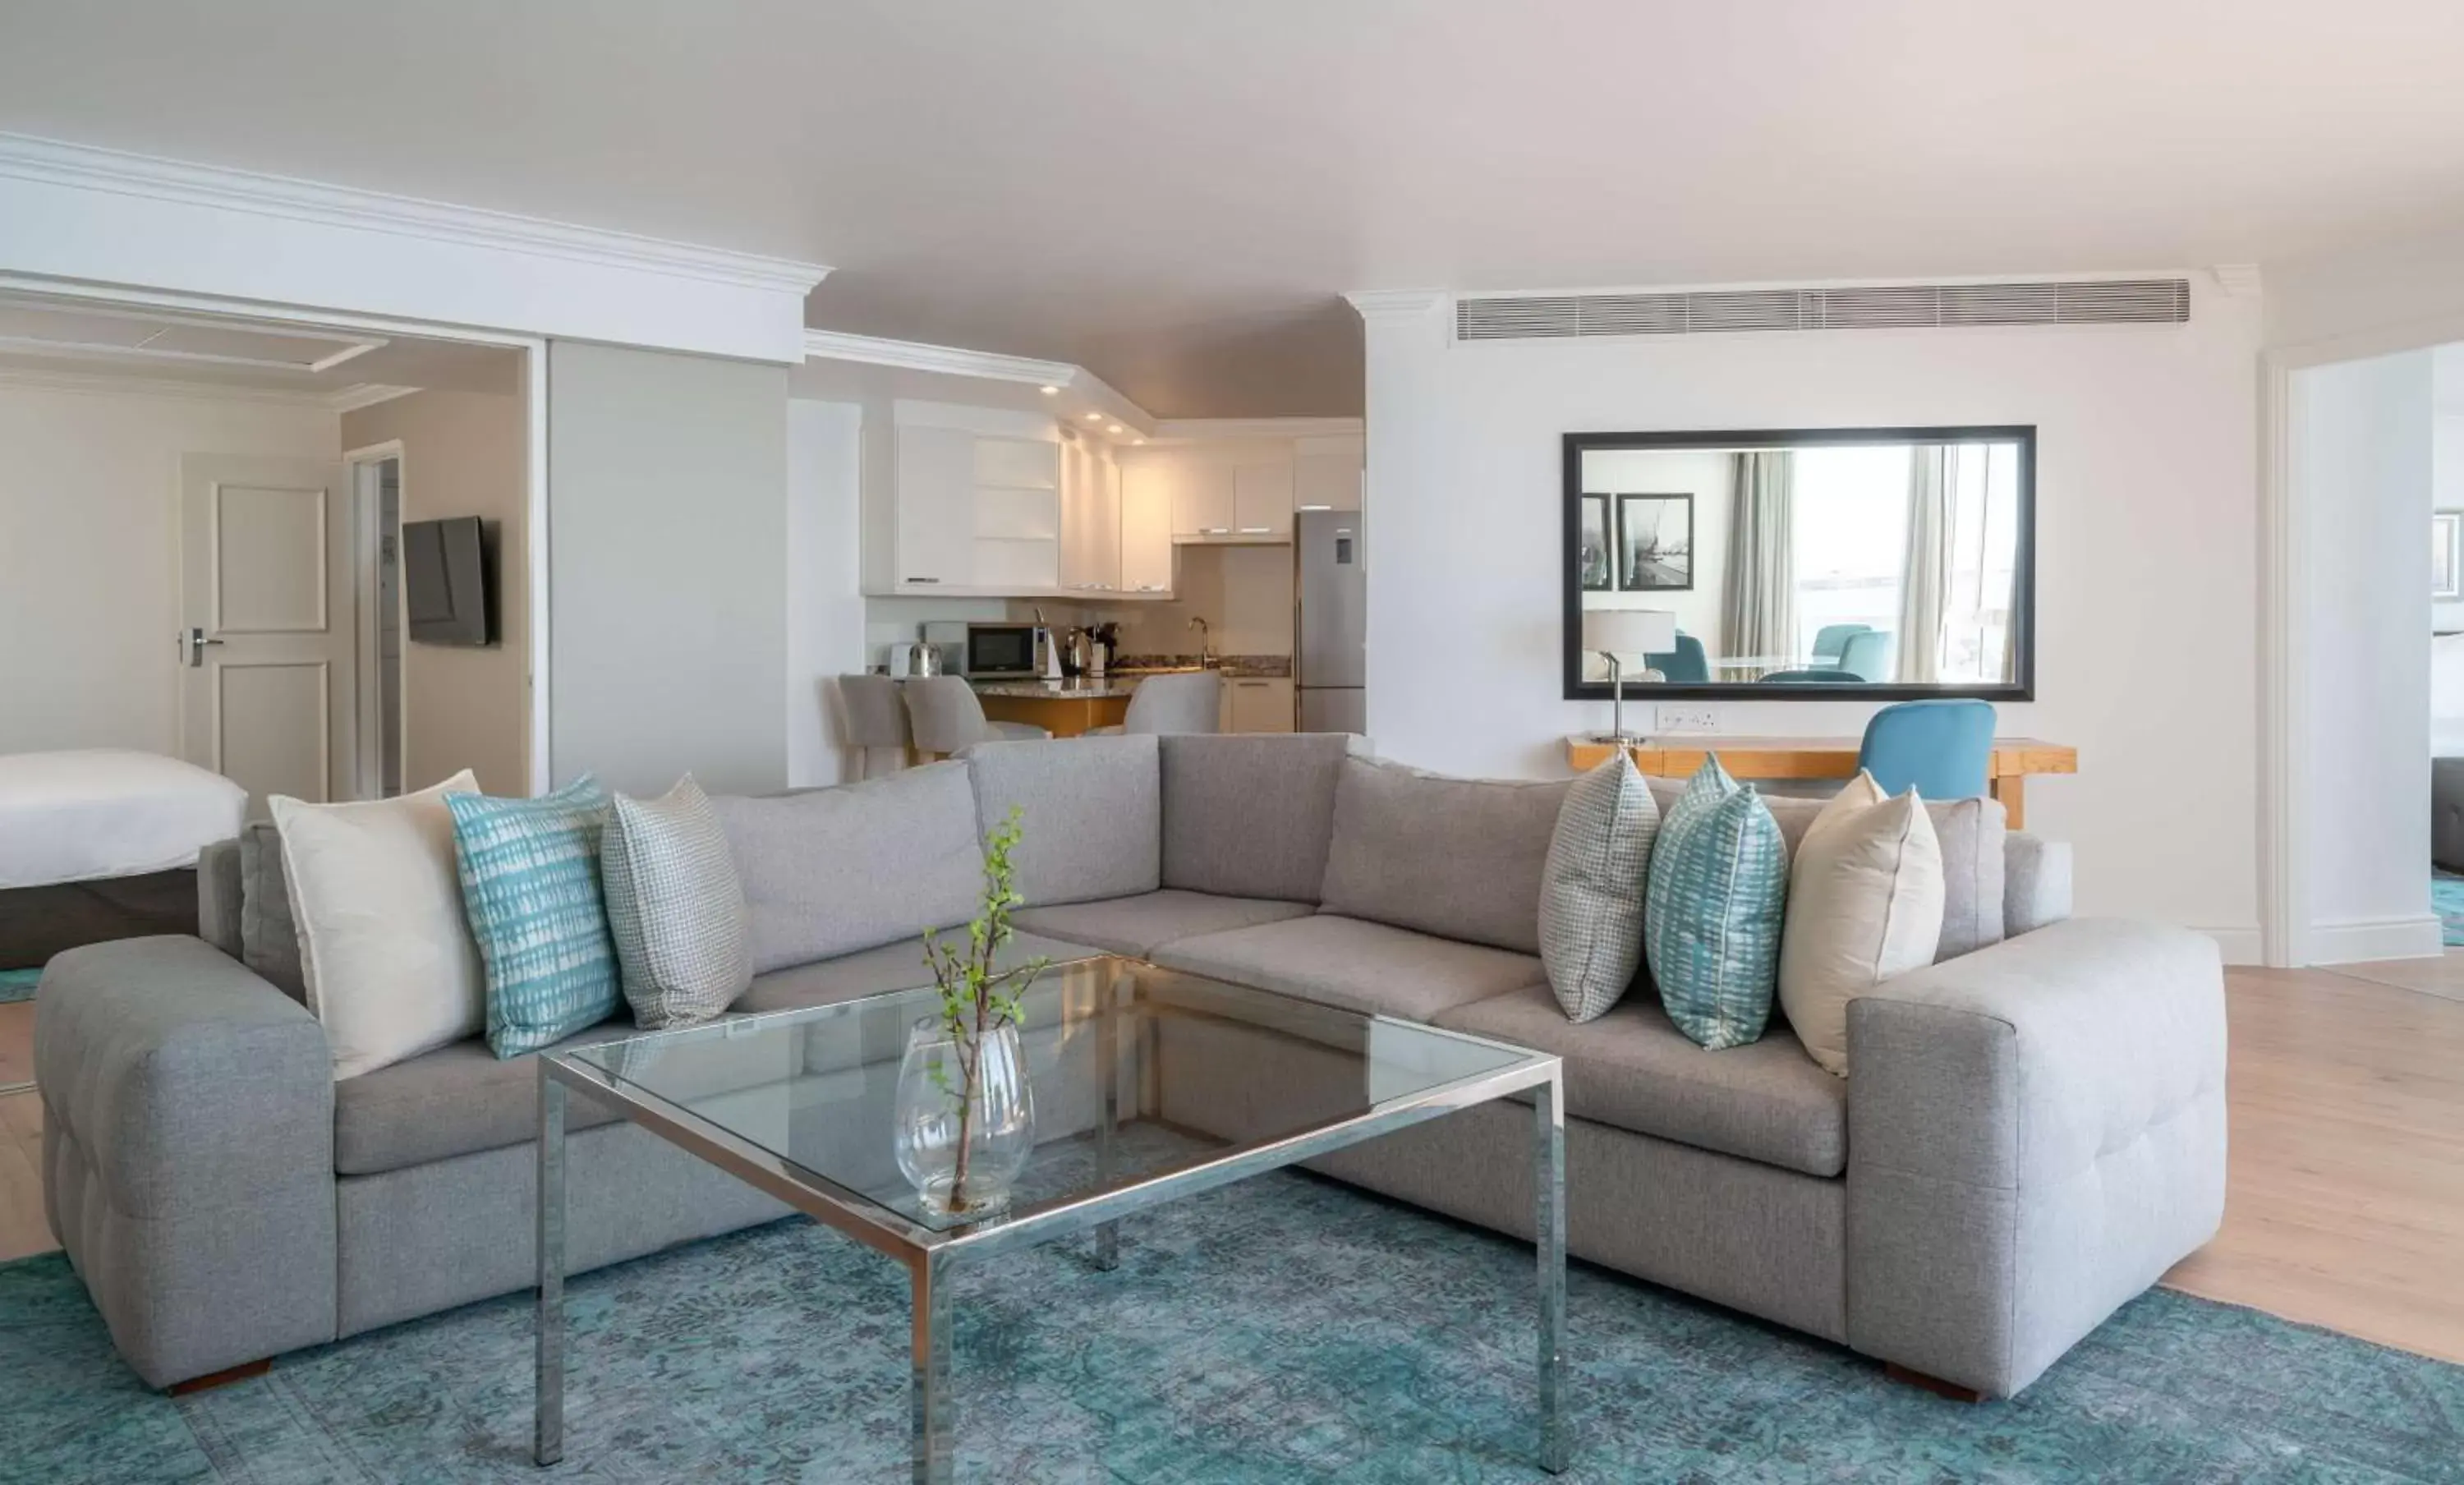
(936, 510)
(1325, 473)
(1261, 500)
(1203, 498)
(1258, 703)
(1145, 499)
(1090, 521)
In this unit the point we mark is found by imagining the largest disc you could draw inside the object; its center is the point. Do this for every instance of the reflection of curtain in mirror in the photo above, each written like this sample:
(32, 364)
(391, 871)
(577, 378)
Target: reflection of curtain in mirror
(1926, 569)
(1758, 609)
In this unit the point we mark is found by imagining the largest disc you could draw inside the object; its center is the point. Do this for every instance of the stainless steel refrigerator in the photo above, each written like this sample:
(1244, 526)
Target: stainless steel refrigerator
(1331, 668)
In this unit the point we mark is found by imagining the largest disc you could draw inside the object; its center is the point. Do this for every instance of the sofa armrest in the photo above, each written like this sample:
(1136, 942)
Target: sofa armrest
(2036, 1133)
(187, 1153)
(2035, 882)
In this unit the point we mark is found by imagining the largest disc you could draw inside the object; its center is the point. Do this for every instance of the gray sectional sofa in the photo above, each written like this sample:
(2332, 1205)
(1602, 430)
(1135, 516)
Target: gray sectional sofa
(2035, 1130)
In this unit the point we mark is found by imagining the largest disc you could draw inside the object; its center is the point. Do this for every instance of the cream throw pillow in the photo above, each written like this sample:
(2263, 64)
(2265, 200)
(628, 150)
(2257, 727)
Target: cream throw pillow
(390, 965)
(1864, 905)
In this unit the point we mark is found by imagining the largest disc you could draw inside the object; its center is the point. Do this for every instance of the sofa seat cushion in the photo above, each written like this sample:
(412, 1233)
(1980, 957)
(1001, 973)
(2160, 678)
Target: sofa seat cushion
(457, 1099)
(1139, 926)
(1633, 1069)
(1357, 966)
(878, 971)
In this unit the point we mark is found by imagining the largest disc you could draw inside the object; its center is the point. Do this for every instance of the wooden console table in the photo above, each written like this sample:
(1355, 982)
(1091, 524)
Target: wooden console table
(1678, 755)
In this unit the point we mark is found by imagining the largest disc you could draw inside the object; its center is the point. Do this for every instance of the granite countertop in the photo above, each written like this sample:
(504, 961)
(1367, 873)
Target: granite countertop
(1230, 665)
(1077, 688)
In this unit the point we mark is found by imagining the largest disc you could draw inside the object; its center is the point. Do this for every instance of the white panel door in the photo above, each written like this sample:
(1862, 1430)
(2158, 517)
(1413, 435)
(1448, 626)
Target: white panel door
(269, 639)
(1146, 529)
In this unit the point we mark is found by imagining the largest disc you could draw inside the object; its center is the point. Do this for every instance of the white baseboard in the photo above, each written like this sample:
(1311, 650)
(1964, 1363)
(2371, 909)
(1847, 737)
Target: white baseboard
(2378, 938)
(2238, 945)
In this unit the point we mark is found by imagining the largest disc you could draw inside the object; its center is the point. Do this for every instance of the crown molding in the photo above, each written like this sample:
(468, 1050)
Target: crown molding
(1078, 390)
(1395, 304)
(946, 360)
(104, 385)
(367, 395)
(2238, 281)
(1208, 429)
(86, 166)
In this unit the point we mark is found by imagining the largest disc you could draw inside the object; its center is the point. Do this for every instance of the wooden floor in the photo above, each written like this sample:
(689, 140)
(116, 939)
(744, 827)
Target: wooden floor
(2346, 1203)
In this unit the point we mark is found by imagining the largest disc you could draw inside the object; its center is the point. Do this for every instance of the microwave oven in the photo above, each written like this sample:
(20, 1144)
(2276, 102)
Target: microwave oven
(985, 651)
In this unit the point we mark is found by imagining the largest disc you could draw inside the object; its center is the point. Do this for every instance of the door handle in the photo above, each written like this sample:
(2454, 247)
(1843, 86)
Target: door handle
(195, 642)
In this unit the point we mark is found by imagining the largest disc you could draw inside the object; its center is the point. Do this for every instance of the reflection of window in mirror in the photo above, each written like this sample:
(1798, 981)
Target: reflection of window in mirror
(1835, 557)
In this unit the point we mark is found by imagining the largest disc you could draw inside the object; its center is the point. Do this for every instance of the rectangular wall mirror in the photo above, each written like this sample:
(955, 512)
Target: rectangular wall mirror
(1802, 564)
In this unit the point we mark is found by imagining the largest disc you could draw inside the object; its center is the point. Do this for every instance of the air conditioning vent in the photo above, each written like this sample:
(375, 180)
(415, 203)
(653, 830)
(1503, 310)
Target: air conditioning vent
(1880, 307)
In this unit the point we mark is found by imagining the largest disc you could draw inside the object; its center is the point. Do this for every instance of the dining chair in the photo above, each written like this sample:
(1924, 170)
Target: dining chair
(1190, 701)
(1867, 655)
(1687, 665)
(945, 716)
(1823, 675)
(876, 719)
(1941, 750)
(1831, 639)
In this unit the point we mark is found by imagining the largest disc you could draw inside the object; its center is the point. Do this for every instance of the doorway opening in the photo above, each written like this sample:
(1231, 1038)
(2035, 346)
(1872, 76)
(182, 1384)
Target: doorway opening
(376, 507)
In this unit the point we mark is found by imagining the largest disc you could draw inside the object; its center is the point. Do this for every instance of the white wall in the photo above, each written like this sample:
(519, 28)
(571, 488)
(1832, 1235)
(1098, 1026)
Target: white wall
(825, 612)
(90, 547)
(2362, 446)
(1710, 478)
(2146, 552)
(2447, 457)
(668, 535)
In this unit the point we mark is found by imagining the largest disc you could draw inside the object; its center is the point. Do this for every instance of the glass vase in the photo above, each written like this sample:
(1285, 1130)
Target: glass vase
(965, 1123)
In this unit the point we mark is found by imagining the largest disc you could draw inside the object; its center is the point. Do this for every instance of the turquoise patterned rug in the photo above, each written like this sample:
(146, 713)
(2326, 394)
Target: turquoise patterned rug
(2447, 899)
(1283, 1330)
(16, 984)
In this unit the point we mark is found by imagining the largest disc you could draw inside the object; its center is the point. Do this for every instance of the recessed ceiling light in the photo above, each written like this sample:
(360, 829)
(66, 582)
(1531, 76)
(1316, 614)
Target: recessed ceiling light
(1049, 392)
(1095, 417)
(1118, 429)
(1138, 440)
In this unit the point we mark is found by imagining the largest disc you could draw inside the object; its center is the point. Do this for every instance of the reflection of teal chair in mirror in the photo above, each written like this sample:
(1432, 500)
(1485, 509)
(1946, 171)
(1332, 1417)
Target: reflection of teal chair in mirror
(1831, 639)
(1826, 675)
(1941, 750)
(1867, 655)
(1685, 665)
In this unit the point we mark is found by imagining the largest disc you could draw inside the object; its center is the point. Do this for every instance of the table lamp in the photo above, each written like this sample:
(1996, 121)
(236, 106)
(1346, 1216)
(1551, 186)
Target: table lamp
(1612, 633)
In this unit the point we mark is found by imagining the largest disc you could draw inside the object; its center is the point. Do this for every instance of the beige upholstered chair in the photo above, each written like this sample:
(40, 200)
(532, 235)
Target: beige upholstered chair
(876, 719)
(944, 716)
(1180, 702)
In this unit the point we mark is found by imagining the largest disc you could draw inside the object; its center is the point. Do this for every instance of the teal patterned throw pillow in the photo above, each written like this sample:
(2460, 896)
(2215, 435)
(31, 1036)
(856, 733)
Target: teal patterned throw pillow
(529, 887)
(1712, 922)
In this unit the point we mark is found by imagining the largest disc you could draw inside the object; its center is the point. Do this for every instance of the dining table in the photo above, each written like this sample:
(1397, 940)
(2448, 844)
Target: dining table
(2012, 762)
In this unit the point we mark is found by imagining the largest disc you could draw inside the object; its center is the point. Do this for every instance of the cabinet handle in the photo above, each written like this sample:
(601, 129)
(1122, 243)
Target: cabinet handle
(1255, 530)
(1215, 531)
(919, 580)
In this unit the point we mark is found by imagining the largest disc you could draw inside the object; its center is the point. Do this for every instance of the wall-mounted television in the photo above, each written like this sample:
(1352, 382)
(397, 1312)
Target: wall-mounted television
(449, 581)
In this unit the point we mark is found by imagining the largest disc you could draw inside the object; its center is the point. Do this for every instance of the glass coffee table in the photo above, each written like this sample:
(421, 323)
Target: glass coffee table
(1148, 1085)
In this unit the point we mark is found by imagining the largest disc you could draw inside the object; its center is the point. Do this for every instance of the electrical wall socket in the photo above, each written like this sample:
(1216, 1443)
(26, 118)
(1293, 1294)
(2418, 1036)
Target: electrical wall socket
(1689, 719)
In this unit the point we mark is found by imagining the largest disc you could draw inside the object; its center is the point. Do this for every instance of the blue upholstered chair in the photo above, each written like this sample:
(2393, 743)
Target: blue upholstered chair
(1867, 655)
(1832, 639)
(1687, 665)
(1941, 750)
(1823, 675)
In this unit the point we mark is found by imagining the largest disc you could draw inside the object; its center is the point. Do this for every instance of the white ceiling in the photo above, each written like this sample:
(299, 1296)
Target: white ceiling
(1173, 192)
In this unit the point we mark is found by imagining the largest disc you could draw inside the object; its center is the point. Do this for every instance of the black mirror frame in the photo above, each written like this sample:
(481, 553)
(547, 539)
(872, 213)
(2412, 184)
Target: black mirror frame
(2022, 688)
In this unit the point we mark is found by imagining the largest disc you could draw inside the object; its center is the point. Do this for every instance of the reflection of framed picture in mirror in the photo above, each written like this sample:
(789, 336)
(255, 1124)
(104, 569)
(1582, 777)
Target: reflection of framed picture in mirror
(2447, 555)
(1654, 542)
(1593, 549)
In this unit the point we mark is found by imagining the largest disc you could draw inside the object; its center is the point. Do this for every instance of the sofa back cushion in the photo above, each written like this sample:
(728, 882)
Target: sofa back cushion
(1250, 814)
(1973, 837)
(1457, 857)
(832, 871)
(1091, 814)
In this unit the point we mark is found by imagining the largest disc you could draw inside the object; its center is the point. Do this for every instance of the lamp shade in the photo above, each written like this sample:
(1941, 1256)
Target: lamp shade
(1629, 630)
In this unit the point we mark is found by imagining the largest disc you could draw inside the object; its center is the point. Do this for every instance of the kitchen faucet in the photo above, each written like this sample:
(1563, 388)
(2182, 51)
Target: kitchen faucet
(1206, 639)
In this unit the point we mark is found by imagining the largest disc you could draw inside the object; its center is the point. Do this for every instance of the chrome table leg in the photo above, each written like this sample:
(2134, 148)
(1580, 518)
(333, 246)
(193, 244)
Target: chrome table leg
(1549, 1226)
(928, 1398)
(547, 1438)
